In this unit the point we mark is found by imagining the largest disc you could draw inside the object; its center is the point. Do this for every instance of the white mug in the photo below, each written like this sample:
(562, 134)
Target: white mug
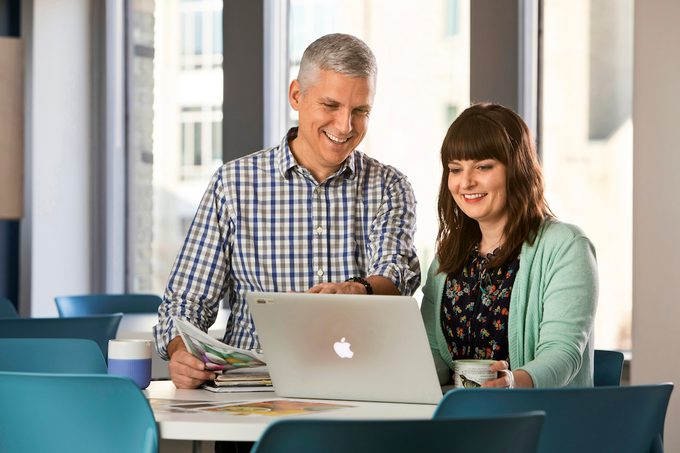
(131, 358)
(472, 373)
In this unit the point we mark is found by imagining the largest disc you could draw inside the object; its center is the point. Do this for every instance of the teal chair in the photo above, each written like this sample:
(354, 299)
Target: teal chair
(74, 413)
(100, 329)
(584, 420)
(101, 304)
(51, 355)
(7, 309)
(608, 366)
(516, 433)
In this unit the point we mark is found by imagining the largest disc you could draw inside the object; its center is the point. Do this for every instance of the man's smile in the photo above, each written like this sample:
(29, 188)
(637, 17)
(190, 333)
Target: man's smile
(335, 139)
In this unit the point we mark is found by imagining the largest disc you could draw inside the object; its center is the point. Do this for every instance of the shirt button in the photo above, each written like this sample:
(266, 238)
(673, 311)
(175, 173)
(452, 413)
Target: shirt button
(319, 272)
(319, 230)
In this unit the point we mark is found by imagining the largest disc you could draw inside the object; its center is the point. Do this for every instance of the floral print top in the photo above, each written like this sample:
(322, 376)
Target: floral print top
(475, 307)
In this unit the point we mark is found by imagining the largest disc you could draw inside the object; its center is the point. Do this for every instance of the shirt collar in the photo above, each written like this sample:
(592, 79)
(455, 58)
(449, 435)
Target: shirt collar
(286, 162)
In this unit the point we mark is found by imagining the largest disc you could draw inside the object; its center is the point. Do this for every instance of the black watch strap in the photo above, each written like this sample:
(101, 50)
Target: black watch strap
(363, 281)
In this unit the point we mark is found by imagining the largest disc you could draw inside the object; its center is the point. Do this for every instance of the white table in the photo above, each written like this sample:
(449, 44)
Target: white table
(201, 425)
(139, 325)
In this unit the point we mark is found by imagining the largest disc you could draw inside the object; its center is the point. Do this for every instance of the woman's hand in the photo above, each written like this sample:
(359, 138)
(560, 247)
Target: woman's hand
(508, 379)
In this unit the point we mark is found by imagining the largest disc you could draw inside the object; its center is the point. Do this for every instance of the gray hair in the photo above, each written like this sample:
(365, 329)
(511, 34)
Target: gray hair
(337, 52)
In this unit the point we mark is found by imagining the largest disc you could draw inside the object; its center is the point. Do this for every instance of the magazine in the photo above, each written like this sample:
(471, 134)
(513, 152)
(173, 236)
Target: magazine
(211, 387)
(235, 379)
(216, 355)
(162, 405)
(276, 408)
(242, 380)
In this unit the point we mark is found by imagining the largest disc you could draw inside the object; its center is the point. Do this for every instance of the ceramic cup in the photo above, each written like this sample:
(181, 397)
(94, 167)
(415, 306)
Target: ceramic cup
(132, 359)
(473, 373)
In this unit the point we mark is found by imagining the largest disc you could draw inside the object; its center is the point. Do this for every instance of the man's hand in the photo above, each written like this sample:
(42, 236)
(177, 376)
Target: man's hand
(186, 371)
(338, 288)
(381, 285)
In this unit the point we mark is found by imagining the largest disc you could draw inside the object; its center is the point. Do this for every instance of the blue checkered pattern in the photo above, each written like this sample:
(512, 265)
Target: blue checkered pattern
(265, 224)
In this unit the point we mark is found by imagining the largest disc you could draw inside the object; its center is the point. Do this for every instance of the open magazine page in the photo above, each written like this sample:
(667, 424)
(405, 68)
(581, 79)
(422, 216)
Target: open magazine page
(276, 408)
(216, 355)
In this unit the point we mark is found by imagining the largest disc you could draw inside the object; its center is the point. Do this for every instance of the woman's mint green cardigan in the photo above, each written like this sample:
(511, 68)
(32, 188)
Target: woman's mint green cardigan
(552, 307)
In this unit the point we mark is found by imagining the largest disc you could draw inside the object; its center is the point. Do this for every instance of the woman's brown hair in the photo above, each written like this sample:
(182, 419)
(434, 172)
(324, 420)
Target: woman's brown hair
(491, 131)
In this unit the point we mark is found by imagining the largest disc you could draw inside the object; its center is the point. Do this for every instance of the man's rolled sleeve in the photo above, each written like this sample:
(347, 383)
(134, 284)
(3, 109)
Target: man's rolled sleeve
(392, 252)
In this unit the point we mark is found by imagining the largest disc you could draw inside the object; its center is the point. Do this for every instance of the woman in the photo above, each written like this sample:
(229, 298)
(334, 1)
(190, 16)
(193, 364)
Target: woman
(509, 282)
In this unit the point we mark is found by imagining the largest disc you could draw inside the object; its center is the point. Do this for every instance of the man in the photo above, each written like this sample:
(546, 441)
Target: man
(311, 214)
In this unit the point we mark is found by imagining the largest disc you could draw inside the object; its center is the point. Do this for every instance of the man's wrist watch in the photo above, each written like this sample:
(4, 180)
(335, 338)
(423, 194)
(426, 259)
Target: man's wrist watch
(363, 281)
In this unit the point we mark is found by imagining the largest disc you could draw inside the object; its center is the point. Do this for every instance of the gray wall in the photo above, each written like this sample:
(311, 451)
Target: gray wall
(494, 52)
(243, 82)
(656, 211)
(56, 229)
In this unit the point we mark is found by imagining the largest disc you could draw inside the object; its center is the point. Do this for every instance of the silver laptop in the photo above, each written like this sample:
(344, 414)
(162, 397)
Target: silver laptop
(345, 347)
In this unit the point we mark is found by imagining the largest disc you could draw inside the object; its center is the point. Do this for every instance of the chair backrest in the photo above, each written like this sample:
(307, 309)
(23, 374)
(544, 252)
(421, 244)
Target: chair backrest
(51, 355)
(515, 433)
(608, 366)
(7, 309)
(100, 304)
(100, 329)
(74, 413)
(594, 419)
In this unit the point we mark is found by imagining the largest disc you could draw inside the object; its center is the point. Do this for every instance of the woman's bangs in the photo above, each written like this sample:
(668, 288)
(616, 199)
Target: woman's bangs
(475, 139)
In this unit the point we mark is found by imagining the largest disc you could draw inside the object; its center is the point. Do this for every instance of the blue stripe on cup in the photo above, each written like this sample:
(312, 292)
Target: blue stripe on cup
(139, 370)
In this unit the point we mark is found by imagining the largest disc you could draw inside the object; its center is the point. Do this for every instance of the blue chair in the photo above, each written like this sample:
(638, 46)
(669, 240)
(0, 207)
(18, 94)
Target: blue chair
(100, 329)
(74, 413)
(51, 355)
(101, 304)
(593, 419)
(608, 366)
(7, 309)
(514, 433)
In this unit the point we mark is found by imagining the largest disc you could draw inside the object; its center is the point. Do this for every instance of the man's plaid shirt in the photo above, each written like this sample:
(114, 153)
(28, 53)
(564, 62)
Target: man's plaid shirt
(265, 224)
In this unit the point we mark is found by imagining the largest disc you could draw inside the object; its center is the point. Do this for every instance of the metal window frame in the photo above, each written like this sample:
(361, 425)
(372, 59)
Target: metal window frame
(109, 160)
(275, 55)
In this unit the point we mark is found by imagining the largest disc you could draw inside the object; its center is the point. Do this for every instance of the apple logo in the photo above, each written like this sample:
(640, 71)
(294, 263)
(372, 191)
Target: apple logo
(342, 349)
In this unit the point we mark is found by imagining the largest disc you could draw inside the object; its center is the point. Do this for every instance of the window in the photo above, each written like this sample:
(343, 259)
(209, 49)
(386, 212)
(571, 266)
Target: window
(453, 17)
(175, 128)
(423, 52)
(421, 83)
(587, 142)
(200, 33)
(201, 141)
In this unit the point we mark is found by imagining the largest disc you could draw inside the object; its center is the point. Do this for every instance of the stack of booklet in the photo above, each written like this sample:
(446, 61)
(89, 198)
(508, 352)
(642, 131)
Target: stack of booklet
(241, 381)
(242, 370)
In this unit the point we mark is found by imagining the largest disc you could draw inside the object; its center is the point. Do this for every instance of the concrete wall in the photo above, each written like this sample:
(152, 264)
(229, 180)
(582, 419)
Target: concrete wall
(656, 210)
